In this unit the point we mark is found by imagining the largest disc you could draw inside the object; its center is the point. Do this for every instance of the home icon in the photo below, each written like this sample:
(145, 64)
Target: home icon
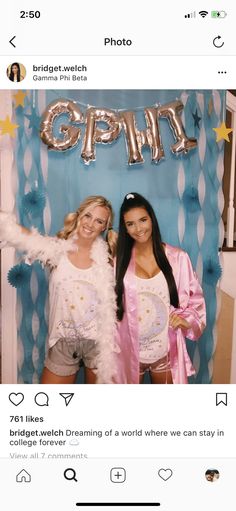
(23, 477)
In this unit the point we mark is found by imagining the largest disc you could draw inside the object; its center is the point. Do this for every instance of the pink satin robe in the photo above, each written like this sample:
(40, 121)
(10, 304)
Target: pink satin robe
(192, 308)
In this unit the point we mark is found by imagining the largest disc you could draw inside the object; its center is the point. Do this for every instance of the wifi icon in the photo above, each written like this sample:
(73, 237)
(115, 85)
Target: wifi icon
(203, 14)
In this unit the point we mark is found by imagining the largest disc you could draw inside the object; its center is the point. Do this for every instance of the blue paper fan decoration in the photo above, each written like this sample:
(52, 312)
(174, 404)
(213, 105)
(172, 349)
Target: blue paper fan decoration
(212, 271)
(19, 275)
(191, 200)
(34, 202)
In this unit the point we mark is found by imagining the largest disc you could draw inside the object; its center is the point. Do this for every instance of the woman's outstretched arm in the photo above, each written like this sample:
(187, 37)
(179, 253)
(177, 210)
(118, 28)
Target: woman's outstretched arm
(46, 249)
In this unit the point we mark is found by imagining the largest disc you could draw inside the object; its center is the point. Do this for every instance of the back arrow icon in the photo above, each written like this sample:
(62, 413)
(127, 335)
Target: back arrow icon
(216, 42)
(12, 42)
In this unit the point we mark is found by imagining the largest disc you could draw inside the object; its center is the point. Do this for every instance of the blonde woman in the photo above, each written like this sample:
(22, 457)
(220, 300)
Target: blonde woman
(82, 307)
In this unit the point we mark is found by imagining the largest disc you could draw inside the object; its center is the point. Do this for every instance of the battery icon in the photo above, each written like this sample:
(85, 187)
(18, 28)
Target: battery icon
(218, 14)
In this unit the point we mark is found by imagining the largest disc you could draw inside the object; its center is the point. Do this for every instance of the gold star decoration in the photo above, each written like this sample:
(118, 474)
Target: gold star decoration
(7, 127)
(222, 132)
(20, 98)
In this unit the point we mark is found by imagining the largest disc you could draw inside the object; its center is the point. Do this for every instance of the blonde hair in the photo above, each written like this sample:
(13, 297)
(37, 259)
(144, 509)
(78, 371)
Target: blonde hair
(71, 221)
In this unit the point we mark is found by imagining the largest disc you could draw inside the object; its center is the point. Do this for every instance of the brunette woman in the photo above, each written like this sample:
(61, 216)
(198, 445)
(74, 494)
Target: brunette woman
(159, 299)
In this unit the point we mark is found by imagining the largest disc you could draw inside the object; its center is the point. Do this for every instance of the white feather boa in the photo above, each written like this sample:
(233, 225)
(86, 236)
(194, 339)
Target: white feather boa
(48, 250)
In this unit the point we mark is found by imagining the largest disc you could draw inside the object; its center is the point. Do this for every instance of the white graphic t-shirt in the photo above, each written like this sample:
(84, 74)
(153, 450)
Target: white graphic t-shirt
(73, 303)
(153, 317)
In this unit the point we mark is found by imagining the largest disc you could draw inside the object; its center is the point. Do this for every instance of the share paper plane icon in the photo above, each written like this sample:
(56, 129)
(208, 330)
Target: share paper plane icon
(67, 396)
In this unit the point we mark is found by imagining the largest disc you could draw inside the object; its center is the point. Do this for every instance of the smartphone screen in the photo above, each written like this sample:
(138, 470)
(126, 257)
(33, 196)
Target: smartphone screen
(118, 256)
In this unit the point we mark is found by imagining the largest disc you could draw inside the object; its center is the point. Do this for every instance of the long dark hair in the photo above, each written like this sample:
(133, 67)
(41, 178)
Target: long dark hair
(11, 76)
(124, 249)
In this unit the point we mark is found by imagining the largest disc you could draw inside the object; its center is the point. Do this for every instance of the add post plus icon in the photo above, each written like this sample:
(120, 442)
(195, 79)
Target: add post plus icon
(118, 475)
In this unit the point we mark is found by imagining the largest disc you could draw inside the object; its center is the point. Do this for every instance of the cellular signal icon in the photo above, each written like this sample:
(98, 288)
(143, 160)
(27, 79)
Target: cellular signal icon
(203, 14)
(190, 15)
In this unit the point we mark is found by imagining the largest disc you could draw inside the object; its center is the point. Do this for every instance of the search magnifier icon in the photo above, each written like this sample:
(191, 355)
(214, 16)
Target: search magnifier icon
(70, 474)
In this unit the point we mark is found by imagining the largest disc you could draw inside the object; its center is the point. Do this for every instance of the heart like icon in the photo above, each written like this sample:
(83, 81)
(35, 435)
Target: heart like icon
(16, 399)
(165, 473)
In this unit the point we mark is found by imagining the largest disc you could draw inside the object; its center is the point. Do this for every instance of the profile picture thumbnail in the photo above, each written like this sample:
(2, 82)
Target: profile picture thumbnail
(16, 72)
(212, 475)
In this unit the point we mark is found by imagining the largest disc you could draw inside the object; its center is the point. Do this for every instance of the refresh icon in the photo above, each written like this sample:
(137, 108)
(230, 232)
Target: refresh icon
(217, 42)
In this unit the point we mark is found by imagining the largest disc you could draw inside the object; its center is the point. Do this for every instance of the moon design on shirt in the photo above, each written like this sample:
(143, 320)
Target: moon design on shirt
(152, 316)
(87, 300)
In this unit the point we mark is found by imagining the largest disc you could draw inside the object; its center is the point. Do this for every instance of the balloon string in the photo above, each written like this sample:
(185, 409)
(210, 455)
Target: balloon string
(87, 105)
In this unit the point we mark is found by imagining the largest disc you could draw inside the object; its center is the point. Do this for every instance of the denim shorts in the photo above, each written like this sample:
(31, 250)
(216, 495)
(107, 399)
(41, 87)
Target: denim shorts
(64, 357)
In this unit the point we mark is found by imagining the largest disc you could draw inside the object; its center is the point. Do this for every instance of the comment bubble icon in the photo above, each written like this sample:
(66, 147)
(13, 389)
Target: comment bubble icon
(41, 399)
